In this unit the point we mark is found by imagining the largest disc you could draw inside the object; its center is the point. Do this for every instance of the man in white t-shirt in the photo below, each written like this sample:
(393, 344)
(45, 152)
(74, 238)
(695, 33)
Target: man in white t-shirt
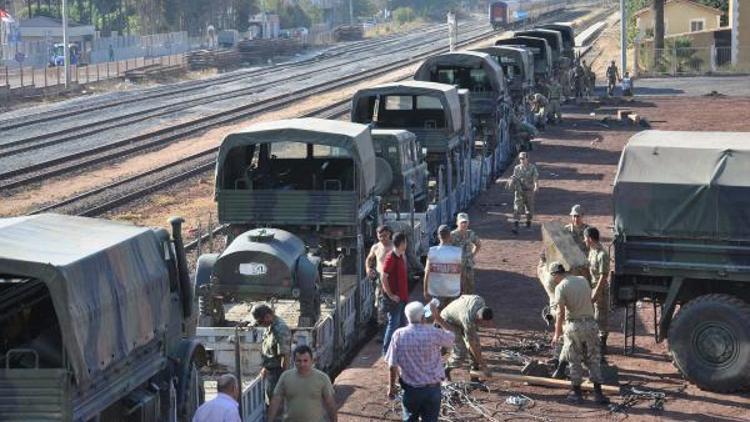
(442, 276)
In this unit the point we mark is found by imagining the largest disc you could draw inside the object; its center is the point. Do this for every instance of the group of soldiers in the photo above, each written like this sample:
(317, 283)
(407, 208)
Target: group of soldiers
(579, 308)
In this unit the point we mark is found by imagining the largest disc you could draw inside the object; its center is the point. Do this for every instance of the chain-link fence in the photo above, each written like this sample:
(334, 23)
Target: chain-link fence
(686, 61)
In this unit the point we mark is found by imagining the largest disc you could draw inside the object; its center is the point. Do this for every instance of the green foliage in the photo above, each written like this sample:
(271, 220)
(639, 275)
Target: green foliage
(403, 15)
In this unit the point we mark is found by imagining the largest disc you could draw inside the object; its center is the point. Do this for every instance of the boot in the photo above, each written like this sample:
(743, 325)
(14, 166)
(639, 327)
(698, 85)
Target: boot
(560, 370)
(528, 223)
(599, 397)
(576, 396)
(448, 374)
(603, 347)
(515, 227)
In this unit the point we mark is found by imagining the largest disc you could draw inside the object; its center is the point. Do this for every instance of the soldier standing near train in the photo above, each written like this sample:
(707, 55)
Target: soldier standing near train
(599, 270)
(554, 113)
(275, 347)
(469, 242)
(524, 183)
(576, 325)
(576, 227)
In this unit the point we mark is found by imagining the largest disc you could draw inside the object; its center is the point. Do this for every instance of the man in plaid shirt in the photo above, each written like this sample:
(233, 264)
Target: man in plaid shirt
(415, 351)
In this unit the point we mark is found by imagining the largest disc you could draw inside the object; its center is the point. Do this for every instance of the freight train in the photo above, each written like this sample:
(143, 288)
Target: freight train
(301, 199)
(515, 13)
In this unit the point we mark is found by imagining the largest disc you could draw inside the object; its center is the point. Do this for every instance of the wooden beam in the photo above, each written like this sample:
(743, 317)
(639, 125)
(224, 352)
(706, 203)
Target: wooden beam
(548, 382)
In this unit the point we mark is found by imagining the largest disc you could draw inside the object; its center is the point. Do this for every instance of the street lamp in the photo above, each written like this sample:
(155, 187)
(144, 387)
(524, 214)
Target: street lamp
(66, 53)
(623, 38)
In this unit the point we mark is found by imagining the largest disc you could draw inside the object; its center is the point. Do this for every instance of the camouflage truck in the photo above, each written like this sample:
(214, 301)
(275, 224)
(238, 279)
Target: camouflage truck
(433, 112)
(489, 100)
(543, 65)
(96, 322)
(682, 240)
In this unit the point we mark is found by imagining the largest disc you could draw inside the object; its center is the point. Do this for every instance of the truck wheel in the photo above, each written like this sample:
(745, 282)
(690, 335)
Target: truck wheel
(195, 394)
(710, 342)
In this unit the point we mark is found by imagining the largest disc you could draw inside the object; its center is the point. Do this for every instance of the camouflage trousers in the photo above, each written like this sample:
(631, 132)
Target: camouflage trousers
(553, 111)
(601, 312)
(468, 286)
(523, 204)
(460, 351)
(581, 346)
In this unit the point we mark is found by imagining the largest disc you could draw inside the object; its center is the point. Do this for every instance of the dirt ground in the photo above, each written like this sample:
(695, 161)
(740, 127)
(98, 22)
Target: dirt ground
(577, 163)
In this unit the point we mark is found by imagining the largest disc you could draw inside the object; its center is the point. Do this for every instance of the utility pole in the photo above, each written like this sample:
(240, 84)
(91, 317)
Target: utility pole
(66, 52)
(623, 37)
(351, 12)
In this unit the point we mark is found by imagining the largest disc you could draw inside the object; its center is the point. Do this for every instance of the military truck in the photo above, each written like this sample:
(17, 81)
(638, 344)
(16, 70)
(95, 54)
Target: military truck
(554, 40)
(543, 65)
(518, 68)
(433, 112)
(96, 322)
(490, 103)
(401, 170)
(682, 241)
(568, 38)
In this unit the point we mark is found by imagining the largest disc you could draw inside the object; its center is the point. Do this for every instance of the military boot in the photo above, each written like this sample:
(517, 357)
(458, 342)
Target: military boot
(515, 227)
(599, 397)
(576, 396)
(448, 373)
(560, 370)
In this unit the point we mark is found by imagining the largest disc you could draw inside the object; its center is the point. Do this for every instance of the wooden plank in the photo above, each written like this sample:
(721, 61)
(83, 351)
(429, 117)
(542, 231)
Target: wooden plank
(560, 246)
(547, 382)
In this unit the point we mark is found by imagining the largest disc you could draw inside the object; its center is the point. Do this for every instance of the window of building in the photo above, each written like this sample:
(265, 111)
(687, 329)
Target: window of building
(696, 25)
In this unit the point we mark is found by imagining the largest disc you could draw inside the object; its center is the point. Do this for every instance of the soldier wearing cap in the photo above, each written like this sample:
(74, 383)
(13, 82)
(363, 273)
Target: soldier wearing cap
(442, 276)
(524, 183)
(577, 226)
(576, 325)
(598, 258)
(469, 242)
(275, 347)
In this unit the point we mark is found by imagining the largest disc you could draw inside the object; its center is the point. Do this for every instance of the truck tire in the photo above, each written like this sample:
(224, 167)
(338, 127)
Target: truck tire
(710, 342)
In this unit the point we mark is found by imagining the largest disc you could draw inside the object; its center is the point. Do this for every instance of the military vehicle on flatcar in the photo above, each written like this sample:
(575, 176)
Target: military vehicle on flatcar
(682, 239)
(568, 38)
(489, 101)
(96, 322)
(539, 47)
(554, 41)
(401, 169)
(433, 112)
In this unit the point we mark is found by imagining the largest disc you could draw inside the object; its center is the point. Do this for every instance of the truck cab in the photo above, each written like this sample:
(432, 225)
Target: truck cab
(543, 65)
(96, 322)
(554, 40)
(682, 242)
(402, 170)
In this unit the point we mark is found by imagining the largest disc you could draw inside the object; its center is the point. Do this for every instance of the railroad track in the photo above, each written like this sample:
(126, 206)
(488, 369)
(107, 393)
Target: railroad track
(190, 86)
(23, 176)
(106, 198)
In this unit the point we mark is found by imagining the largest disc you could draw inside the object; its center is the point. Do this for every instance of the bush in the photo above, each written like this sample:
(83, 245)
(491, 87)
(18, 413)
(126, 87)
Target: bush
(403, 15)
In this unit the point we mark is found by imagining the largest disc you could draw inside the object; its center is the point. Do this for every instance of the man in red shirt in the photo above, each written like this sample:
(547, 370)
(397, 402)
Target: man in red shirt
(396, 288)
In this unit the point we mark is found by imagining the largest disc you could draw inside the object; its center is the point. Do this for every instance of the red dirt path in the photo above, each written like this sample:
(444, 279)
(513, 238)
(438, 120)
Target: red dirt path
(577, 163)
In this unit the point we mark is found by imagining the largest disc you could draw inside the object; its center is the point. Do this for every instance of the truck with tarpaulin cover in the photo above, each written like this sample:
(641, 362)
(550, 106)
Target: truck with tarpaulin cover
(433, 112)
(489, 102)
(568, 38)
(682, 241)
(554, 40)
(96, 322)
(539, 47)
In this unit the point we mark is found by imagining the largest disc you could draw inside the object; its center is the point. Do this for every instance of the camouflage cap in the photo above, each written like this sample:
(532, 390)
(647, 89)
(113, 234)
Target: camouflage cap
(556, 268)
(576, 210)
(462, 216)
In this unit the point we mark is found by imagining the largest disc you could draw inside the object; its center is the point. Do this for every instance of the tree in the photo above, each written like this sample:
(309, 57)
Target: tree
(658, 30)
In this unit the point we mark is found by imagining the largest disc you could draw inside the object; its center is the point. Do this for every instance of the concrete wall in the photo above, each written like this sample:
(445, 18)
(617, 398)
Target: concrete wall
(677, 17)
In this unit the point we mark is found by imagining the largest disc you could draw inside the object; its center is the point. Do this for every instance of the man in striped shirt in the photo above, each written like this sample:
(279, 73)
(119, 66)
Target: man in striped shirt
(414, 351)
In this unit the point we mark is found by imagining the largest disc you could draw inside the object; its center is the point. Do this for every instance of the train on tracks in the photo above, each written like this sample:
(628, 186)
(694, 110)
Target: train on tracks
(515, 13)
(301, 200)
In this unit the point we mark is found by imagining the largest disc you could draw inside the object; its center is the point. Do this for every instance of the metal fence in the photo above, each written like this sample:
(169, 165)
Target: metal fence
(686, 61)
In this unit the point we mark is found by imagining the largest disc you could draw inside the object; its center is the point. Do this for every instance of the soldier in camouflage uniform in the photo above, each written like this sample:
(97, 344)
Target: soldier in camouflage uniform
(469, 242)
(599, 271)
(554, 113)
(576, 325)
(463, 317)
(275, 347)
(525, 183)
(576, 228)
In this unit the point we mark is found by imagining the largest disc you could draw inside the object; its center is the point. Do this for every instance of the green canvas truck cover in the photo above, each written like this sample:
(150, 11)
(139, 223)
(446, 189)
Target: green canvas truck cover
(471, 59)
(353, 137)
(447, 94)
(690, 185)
(107, 280)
